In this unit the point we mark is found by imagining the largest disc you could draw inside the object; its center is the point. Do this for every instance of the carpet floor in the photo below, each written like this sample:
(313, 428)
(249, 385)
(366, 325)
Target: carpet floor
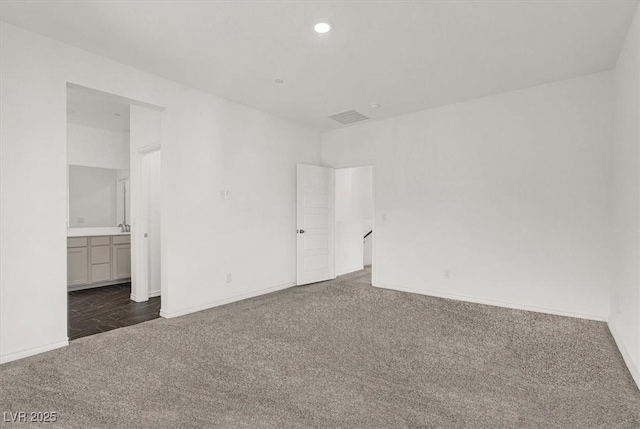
(339, 354)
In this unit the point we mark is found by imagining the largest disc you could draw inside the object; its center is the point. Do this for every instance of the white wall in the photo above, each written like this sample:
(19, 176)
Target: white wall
(368, 250)
(208, 144)
(625, 294)
(354, 216)
(510, 194)
(103, 149)
(96, 147)
(92, 196)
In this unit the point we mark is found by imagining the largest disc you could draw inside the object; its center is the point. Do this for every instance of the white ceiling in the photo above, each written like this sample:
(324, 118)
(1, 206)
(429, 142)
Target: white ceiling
(96, 109)
(406, 56)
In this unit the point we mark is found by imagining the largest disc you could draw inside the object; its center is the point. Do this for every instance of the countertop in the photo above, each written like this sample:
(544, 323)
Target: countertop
(93, 232)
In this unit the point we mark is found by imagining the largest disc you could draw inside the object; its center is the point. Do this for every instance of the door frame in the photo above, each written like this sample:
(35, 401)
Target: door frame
(363, 163)
(139, 252)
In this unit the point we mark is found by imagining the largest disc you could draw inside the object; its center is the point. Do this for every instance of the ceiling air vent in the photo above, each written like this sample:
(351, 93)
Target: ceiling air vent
(348, 117)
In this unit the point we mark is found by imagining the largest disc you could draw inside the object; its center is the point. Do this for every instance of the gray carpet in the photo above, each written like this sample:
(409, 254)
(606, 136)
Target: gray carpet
(339, 354)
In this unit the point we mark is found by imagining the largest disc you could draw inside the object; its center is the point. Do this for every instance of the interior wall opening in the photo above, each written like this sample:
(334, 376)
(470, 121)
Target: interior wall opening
(354, 219)
(113, 212)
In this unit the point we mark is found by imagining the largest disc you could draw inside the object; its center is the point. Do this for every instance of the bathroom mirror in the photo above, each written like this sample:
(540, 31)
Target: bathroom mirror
(98, 197)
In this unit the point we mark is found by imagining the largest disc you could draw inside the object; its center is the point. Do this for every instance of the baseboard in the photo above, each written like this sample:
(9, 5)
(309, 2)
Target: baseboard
(132, 297)
(98, 284)
(153, 294)
(169, 315)
(350, 271)
(33, 351)
(633, 369)
(494, 303)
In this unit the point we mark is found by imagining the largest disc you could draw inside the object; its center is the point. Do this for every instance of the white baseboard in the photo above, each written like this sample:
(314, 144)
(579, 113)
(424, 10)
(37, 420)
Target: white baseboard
(132, 297)
(33, 351)
(150, 295)
(633, 369)
(494, 303)
(169, 315)
(97, 284)
(349, 271)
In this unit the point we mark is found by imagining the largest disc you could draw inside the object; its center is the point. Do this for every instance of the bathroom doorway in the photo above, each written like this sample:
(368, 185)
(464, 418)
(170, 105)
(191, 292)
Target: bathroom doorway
(113, 193)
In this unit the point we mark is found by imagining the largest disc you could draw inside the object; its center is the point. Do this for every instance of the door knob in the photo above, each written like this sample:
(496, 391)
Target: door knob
(301, 231)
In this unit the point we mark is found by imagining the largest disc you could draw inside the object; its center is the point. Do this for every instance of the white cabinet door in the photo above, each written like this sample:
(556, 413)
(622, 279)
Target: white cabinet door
(77, 266)
(120, 261)
(315, 226)
(100, 255)
(100, 272)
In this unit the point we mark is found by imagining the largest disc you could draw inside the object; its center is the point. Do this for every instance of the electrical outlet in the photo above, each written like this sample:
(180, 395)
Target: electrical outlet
(228, 278)
(222, 195)
(447, 275)
(227, 195)
(80, 220)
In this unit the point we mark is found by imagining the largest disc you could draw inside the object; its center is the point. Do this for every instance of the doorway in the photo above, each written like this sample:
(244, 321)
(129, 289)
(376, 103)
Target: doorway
(335, 222)
(354, 219)
(113, 211)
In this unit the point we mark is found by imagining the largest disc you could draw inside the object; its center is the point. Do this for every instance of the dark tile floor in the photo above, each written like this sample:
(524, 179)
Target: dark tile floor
(102, 309)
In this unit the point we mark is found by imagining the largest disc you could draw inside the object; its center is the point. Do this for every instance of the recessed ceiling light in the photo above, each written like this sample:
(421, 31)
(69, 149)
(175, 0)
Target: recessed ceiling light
(375, 106)
(279, 81)
(322, 27)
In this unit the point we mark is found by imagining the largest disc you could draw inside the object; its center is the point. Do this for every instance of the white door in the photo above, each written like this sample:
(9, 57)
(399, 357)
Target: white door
(153, 211)
(315, 225)
(145, 244)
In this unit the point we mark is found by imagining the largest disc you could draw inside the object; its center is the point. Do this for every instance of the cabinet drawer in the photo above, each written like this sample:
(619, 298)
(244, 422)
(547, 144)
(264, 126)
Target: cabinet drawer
(121, 239)
(77, 242)
(100, 255)
(100, 272)
(99, 241)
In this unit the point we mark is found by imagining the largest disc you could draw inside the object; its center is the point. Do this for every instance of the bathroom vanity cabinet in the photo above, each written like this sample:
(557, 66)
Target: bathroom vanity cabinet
(98, 261)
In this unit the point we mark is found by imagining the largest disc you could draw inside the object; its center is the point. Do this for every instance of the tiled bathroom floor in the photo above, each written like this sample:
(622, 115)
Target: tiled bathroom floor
(102, 309)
